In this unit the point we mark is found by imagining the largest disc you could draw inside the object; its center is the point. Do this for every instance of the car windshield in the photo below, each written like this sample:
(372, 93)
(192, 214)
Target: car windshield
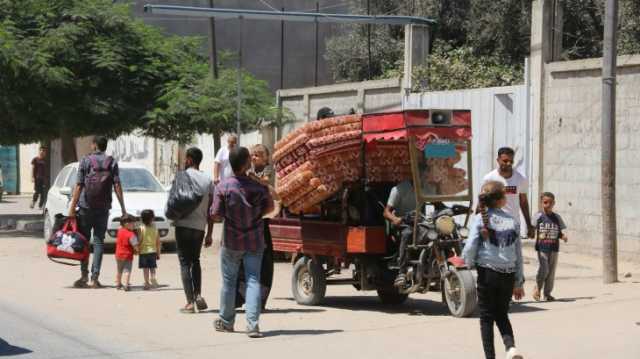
(138, 180)
(443, 167)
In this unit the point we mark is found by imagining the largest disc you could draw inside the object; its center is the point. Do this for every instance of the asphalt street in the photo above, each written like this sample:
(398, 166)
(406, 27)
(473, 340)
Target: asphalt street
(43, 317)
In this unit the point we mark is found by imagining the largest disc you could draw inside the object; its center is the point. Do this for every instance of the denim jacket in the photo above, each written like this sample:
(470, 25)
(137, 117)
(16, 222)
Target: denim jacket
(502, 251)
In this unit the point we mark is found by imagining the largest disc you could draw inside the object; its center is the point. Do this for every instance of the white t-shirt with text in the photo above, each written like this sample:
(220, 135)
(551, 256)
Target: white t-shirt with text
(514, 186)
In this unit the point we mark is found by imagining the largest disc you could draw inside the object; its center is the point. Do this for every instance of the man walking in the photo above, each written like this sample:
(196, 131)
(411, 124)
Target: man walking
(190, 234)
(241, 202)
(221, 167)
(40, 178)
(516, 187)
(98, 174)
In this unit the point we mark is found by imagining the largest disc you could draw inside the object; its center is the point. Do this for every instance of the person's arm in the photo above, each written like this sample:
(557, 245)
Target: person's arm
(218, 207)
(33, 170)
(518, 290)
(217, 164)
(563, 226)
(208, 239)
(470, 250)
(158, 245)
(74, 200)
(524, 207)
(389, 216)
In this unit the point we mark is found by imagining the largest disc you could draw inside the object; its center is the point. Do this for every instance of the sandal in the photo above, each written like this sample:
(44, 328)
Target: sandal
(188, 309)
(219, 326)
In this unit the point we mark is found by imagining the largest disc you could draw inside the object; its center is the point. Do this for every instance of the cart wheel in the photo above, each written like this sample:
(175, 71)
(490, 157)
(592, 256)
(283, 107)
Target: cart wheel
(460, 293)
(308, 282)
(391, 296)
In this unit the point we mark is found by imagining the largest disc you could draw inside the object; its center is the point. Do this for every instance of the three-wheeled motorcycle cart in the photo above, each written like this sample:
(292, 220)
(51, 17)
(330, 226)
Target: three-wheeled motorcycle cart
(346, 239)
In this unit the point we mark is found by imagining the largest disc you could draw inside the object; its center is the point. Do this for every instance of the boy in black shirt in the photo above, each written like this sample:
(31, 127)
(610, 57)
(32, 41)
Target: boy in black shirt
(549, 227)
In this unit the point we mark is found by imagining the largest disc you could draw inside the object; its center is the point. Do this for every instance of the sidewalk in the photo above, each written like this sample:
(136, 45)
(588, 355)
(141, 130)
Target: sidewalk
(16, 214)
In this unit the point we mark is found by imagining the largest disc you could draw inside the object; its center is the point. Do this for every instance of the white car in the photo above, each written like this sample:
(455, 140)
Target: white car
(142, 190)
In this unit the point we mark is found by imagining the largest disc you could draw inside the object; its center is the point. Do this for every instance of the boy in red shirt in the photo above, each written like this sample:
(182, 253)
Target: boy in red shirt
(126, 243)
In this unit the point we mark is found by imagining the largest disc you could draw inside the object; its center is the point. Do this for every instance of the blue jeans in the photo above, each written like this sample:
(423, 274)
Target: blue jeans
(96, 220)
(230, 264)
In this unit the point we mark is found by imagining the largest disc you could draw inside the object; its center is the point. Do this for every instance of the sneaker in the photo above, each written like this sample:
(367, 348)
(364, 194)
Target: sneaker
(549, 298)
(254, 333)
(512, 353)
(33, 204)
(219, 326)
(81, 283)
(95, 284)
(536, 294)
(201, 304)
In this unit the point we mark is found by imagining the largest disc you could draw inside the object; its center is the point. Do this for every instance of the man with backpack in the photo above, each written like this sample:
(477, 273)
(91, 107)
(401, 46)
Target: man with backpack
(97, 175)
(190, 197)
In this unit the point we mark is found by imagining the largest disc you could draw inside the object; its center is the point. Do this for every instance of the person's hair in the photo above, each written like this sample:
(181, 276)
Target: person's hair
(195, 154)
(491, 193)
(147, 216)
(239, 157)
(232, 135)
(43, 148)
(127, 218)
(324, 112)
(548, 195)
(506, 151)
(264, 148)
(101, 142)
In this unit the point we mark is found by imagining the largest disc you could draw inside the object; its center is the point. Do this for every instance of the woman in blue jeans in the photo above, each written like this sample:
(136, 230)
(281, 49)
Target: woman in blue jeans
(498, 259)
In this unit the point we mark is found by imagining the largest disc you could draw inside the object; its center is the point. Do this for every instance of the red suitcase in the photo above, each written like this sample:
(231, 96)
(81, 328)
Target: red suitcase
(68, 243)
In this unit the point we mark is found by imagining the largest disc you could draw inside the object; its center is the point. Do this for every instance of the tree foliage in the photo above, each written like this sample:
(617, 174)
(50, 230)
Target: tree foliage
(475, 34)
(198, 103)
(79, 67)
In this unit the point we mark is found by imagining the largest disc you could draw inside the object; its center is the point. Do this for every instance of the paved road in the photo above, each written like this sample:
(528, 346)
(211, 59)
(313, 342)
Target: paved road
(43, 317)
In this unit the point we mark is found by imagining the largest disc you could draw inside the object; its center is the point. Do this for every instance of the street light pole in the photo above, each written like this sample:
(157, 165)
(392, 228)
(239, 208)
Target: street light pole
(609, 223)
(239, 95)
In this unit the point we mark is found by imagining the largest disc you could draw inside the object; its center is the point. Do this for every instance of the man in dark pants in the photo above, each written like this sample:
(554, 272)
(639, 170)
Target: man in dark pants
(40, 178)
(190, 234)
(402, 200)
(97, 175)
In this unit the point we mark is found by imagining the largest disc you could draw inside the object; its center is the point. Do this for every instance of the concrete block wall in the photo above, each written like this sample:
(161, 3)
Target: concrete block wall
(572, 150)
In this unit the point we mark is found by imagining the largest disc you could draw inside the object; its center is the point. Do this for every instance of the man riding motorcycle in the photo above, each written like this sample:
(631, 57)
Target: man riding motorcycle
(402, 201)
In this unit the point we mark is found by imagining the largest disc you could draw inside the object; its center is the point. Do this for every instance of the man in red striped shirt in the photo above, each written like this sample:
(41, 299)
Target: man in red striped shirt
(241, 202)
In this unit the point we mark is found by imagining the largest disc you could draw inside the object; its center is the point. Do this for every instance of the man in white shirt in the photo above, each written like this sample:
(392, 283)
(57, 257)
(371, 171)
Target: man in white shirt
(516, 187)
(221, 166)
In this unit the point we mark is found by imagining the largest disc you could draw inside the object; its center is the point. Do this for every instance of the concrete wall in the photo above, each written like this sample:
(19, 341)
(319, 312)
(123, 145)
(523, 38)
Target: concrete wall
(362, 97)
(571, 150)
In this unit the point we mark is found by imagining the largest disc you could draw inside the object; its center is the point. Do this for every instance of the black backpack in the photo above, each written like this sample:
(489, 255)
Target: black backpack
(184, 197)
(99, 182)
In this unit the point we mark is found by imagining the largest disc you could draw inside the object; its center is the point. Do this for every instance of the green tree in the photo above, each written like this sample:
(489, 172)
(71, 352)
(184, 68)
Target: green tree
(79, 67)
(197, 103)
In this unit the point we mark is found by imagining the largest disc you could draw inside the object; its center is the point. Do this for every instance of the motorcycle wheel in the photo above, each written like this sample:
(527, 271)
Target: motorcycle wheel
(391, 296)
(460, 293)
(308, 282)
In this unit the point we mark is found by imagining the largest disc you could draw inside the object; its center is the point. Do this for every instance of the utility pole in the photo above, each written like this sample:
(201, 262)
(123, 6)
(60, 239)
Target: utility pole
(315, 72)
(609, 223)
(368, 42)
(213, 56)
(239, 95)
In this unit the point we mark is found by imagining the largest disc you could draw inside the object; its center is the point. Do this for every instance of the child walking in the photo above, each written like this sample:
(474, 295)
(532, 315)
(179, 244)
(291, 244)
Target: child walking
(126, 243)
(498, 260)
(149, 249)
(549, 227)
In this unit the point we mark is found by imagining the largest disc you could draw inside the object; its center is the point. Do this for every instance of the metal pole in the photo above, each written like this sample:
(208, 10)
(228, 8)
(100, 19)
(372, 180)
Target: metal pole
(213, 56)
(315, 73)
(239, 96)
(282, 53)
(609, 223)
(368, 42)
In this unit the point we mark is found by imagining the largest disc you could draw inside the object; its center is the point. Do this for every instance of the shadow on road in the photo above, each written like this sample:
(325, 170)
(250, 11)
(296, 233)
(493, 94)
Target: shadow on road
(561, 300)
(7, 349)
(276, 311)
(275, 333)
(413, 306)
